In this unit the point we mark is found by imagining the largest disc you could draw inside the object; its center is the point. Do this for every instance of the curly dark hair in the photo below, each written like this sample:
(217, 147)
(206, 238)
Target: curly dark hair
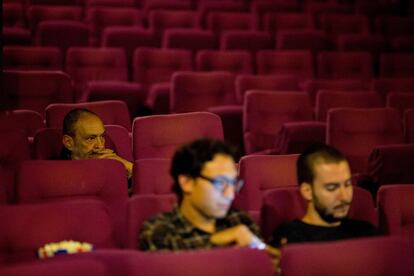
(190, 159)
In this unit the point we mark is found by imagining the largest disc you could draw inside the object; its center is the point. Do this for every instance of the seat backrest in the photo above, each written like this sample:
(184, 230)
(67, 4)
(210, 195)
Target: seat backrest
(40, 13)
(408, 120)
(275, 21)
(251, 41)
(327, 99)
(31, 58)
(13, 15)
(375, 44)
(14, 149)
(396, 215)
(154, 65)
(62, 34)
(218, 21)
(100, 18)
(397, 65)
(47, 143)
(146, 181)
(106, 180)
(78, 220)
(88, 64)
(356, 132)
(158, 136)
(313, 86)
(143, 207)
(334, 24)
(128, 38)
(264, 112)
(159, 20)
(189, 39)
(260, 82)
(27, 121)
(235, 61)
(293, 62)
(111, 113)
(34, 90)
(345, 65)
(249, 262)
(355, 257)
(387, 85)
(313, 40)
(275, 171)
(400, 100)
(391, 164)
(286, 203)
(197, 91)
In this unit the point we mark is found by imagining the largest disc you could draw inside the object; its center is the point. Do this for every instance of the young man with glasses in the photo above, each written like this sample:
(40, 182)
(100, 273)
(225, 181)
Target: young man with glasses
(206, 181)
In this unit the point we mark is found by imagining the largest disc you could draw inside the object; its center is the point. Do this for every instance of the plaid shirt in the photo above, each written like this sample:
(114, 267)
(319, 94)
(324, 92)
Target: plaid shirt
(171, 231)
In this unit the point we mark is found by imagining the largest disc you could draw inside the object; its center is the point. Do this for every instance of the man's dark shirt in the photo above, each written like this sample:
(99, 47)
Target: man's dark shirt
(298, 231)
(171, 231)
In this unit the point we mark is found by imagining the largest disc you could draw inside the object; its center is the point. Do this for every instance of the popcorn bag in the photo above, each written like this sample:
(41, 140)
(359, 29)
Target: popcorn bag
(63, 248)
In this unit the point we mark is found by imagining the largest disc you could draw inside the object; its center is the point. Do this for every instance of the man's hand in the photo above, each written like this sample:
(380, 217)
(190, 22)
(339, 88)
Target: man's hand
(239, 235)
(110, 154)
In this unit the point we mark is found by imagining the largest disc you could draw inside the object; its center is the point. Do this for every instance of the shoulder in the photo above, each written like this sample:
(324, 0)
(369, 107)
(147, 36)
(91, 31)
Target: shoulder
(159, 221)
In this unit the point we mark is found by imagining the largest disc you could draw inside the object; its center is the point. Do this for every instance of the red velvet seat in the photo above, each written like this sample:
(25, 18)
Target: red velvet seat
(236, 61)
(148, 182)
(285, 62)
(395, 210)
(264, 113)
(391, 164)
(356, 132)
(362, 256)
(31, 58)
(345, 65)
(275, 171)
(42, 181)
(189, 39)
(159, 136)
(62, 34)
(40, 13)
(276, 21)
(79, 220)
(328, 99)
(143, 207)
(218, 21)
(400, 100)
(397, 65)
(408, 121)
(100, 18)
(259, 82)
(13, 15)
(197, 91)
(35, 90)
(252, 41)
(95, 64)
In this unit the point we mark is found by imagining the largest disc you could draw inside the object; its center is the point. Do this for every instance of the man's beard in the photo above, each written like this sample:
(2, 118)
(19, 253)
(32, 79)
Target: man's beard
(323, 211)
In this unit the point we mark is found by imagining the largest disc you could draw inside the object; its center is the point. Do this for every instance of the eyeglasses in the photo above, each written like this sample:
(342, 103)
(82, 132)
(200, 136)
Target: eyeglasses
(223, 182)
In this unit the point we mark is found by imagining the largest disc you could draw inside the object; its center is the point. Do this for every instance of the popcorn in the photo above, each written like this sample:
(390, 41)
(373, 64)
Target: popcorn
(63, 248)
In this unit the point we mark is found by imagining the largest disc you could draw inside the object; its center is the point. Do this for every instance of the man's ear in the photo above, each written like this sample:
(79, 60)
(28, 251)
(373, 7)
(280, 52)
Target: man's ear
(306, 191)
(67, 142)
(186, 183)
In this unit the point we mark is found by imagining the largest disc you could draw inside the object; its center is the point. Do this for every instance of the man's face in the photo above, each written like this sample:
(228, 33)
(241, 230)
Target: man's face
(332, 190)
(89, 137)
(209, 201)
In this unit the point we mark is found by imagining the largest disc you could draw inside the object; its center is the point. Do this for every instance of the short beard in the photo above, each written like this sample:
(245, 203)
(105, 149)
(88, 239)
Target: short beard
(323, 212)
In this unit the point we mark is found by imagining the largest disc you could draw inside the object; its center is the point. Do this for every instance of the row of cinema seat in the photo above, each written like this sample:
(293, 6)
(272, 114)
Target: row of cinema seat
(93, 196)
(36, 89)
(111, 64)
(207, 15)
(379, 157)
(364, 256)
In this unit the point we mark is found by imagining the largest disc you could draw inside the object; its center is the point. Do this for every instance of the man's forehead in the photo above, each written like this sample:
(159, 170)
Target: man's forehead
(89, 124)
